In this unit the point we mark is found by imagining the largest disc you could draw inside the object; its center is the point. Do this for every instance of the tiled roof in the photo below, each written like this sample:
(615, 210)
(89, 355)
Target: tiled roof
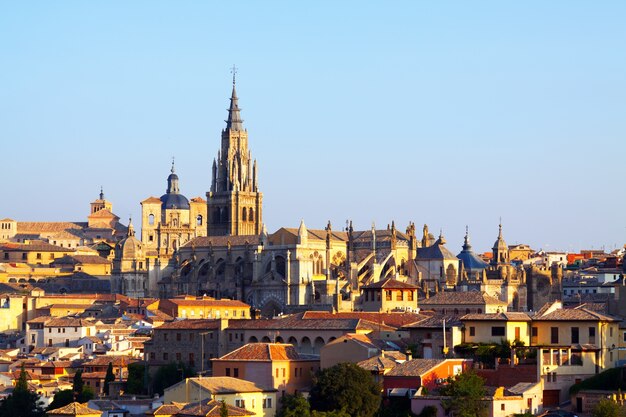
(198, 200)
(574, 314)
(415, 367)
(154, 200)
(74, 409)
(82, 259)
(436, 251)
(295, 322)
(48, 227)
(33, 246)
(390, 283)
(165, 410)
(436, 322)
(382, 235)
(460, 298)
(208, 303)
(264, 352)
(314, 234)
(211, 408)
(389, 319)
(378, 363)
(68, 322)
(226, 385)
(115, 360)
(191, 324)
(506, 316)
(218, 241)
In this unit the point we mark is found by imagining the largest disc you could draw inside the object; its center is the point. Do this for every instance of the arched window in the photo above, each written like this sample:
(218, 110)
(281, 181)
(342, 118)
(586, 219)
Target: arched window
(251, 214)
(199, 220)
(151, 219)
(175, 222)
(243, 214)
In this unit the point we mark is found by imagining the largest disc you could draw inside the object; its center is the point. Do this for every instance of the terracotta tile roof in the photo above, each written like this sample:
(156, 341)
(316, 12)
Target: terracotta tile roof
(198, 200)
(68, 322)
(211, 408)
(389, 319)
(165, 410)
(415, 367)
(226, 385)
(115, 360)
(378, 363)
(103, 214)
(33, 246)
(574, 314)
(436, 322)
(74, 409)
(48, 227)
(460, 298)
(507, 316)
(154, 200)
(390, 283)
(218, 241)
(264, 352)
(82, 259)
(208, 303)
(191, 324)
(295, 322)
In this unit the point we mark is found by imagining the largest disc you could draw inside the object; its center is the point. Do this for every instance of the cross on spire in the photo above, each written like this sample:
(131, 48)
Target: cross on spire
(233, 71)
(172, 165)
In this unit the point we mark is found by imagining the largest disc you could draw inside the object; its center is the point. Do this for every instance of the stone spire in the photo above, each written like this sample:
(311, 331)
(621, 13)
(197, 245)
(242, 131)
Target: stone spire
(303, 234)
(234, 121)
(131, 228)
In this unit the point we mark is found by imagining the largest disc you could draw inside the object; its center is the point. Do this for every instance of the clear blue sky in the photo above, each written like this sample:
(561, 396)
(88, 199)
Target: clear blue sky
(446, 113)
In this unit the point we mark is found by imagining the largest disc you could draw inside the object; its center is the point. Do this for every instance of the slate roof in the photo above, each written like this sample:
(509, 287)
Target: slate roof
(265, 352)
(391, 283)
(414, 367)
(436, 251)
(460, 298)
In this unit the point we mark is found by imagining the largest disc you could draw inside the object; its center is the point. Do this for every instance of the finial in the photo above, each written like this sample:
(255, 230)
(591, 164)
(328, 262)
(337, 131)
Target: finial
(500, 228)
(466, 237)
(233, 71)
(172, 165)
(101, 193)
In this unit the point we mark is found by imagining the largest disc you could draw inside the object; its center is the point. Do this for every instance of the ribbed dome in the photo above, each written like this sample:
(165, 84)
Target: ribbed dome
(130, 248)
(174, 201)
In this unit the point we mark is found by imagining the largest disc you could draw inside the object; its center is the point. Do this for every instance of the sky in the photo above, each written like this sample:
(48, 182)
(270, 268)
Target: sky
(449, 113)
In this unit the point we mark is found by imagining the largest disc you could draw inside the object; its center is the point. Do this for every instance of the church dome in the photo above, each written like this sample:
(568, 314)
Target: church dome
(471, 261)
(174, 201)
(130, 247)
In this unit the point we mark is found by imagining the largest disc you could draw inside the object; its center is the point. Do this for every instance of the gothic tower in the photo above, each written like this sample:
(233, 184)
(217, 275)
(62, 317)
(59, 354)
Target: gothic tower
(234, 203)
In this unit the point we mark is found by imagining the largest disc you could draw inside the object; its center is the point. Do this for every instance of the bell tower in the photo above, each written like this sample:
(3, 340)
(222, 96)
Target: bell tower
(234, 203)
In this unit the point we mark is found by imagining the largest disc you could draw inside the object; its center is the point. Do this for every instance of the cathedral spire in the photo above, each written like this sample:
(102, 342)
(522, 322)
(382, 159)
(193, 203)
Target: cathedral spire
(234, 121)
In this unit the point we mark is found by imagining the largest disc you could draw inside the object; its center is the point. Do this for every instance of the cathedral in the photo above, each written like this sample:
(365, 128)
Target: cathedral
(219, 247)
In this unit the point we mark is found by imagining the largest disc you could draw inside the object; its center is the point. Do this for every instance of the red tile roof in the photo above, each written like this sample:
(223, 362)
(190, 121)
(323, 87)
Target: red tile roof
(264, 352)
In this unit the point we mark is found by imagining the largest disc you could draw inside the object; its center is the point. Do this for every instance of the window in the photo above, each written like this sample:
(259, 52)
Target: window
(24, 255)
(199, 220)
(400, 296)
(497, 331)
(388, 295)
(410, 295)
(165, 356)
(151, 219)
(192, 360)
(178, 337)
(611, 331)
(236, 372)
(227, 371)
(554, 335)
(592, 335)
(39, 256)
(267, 403)
(502, 407)
(165, 337)
(575, 337)
(240, 403)
(178, 356)
(576, 358)
(472, 331)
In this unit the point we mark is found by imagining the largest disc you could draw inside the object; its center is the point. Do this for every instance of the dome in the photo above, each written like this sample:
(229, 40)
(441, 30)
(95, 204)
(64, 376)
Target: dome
(130, 248)
(174, 201)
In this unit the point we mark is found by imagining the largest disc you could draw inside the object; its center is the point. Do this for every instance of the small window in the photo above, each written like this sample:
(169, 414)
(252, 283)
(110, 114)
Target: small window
(227, 371)
(472, 331)
(554, 335)
(497, 331)
(199, 220)
(151, 220)
(575, 337)
(236, 372)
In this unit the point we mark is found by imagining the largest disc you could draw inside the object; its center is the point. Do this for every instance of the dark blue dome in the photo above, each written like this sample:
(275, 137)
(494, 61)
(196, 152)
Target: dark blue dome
(174, 201)
(471, 261)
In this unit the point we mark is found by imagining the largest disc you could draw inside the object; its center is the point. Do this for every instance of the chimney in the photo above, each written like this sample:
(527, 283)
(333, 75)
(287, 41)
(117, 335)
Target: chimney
(409, 355)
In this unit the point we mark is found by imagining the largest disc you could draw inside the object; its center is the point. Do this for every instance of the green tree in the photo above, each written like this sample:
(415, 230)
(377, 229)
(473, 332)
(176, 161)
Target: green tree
(466, 393)
(170, 374)
(61, 398)
(294, 406)
(109, 377)
(135, 381)
(85, 395)
(608, 408)
(346, 387)
(22, 402)
(78, 383)
(223, 409)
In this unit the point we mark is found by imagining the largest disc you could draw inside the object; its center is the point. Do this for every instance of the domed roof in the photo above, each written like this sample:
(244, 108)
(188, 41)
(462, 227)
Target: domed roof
(130, 247)
(174, 201)
(471, 261)
(500, 243)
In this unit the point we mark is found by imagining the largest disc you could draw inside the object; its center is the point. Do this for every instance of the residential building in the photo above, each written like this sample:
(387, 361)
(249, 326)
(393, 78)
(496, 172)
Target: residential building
(389, 295)
(459, 303)
(496, 327)
(407, 377)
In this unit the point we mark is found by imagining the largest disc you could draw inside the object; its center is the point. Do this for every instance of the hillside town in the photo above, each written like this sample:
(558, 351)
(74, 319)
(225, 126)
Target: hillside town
(196, 309)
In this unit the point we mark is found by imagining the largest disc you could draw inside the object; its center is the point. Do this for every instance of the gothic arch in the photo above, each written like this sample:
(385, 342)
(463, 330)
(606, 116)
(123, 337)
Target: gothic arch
(318, 344)
(244, 215)
(251, 214)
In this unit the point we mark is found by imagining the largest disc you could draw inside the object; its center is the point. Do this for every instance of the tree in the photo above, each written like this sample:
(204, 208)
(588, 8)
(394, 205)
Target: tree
(294, 406)
(110, 377)
(608, 408)
(135, 381)
(170, 374)
(22, 402)
(346, 387)
(223, 409)
(466, 393)
(85, 395)
(61, 398)
(77, 383)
